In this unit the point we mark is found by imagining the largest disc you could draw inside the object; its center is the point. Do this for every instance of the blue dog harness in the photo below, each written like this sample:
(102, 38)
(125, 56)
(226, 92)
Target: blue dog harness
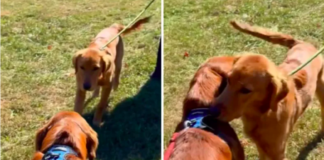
(195, 118)
(58, 152)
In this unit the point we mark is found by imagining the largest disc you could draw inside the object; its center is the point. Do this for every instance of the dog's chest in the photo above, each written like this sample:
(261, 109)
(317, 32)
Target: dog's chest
(257, 128)
(249, 127)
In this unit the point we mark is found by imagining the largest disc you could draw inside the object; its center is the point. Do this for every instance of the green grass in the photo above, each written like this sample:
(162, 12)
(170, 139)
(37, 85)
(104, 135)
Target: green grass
(38, 40)
(202, 29)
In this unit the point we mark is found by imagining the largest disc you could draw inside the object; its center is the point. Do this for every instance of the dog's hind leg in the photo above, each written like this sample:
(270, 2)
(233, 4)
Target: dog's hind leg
(320, 94)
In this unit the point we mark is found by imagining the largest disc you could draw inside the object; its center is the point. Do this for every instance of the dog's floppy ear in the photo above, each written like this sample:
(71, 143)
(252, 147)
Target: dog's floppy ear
(300, 79)
(108, 66)
(279, 91)
(41, 133)
(75, 59)
(92, 143)
(92, 137)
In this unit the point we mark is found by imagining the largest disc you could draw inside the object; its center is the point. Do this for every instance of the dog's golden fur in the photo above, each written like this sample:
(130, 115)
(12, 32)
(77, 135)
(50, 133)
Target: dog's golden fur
(197, 144)
(97, 68)
(67, 128)
(266, 97)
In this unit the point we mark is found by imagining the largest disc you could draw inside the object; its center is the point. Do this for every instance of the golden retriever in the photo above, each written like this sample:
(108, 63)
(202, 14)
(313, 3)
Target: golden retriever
(96, 68)
(265, 96)
(68, 135)
(219, 141)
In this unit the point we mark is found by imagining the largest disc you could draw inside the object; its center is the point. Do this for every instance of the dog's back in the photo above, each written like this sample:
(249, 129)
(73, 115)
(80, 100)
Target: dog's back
(197, 144)
(299, 51)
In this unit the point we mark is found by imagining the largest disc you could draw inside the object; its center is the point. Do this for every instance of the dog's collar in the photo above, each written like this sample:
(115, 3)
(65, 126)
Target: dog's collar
(195, 118)
(58, 152)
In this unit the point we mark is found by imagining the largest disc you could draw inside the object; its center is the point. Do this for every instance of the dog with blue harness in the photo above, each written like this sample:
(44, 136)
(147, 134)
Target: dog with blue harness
(67, 136)
(199, 136)
(211, 134)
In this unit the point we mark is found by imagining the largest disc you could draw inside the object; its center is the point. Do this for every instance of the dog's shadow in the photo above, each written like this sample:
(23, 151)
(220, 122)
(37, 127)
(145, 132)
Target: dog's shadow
(310, 146)
(133, 129)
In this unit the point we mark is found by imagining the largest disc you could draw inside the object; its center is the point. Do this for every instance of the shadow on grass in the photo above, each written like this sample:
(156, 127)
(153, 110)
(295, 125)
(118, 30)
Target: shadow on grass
(310, 146)
(132, 130)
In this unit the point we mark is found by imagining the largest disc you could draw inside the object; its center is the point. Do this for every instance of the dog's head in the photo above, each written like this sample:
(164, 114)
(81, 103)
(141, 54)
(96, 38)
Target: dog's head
(68, 128)
(90, 66)
(254, 85)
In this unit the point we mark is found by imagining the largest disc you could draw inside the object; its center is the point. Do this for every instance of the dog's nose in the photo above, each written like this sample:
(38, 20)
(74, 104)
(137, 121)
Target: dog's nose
(86, 86)
(214, 111)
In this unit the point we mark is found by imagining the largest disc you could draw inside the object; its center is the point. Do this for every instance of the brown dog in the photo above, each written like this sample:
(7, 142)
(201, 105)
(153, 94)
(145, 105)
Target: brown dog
(95, 68)
(66, 134)
(221, 142)
(268, 100)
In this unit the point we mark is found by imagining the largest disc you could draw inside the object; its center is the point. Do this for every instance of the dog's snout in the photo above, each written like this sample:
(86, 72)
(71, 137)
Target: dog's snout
(86, 86)
(215, 111)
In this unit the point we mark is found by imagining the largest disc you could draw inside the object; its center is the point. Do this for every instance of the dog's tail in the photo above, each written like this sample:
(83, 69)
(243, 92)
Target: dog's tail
(266, 34)
(136, 26)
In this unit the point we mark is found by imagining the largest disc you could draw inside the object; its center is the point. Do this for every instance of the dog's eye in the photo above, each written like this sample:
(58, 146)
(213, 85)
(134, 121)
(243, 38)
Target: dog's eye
(82, 67)
(245, 90)
(95, 68)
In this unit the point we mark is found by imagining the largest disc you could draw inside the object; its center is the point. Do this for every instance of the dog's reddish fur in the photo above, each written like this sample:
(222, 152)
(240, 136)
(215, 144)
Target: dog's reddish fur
(67, 128)
(97, 68)
(197, 144)
(268, 100)
(207, 83)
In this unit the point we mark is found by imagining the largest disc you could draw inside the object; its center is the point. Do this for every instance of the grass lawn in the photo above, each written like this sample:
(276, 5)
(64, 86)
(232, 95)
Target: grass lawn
(202, 29)
(38, 40)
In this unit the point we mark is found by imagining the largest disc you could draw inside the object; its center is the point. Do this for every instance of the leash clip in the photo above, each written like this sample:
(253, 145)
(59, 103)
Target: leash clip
(189, 123)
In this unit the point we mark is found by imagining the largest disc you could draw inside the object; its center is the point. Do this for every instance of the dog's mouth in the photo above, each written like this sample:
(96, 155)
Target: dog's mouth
(91, 89)
(87, 89)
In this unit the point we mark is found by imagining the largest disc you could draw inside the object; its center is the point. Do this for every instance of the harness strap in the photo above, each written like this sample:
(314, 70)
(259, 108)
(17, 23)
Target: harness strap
(58, 152)
(170, 148)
